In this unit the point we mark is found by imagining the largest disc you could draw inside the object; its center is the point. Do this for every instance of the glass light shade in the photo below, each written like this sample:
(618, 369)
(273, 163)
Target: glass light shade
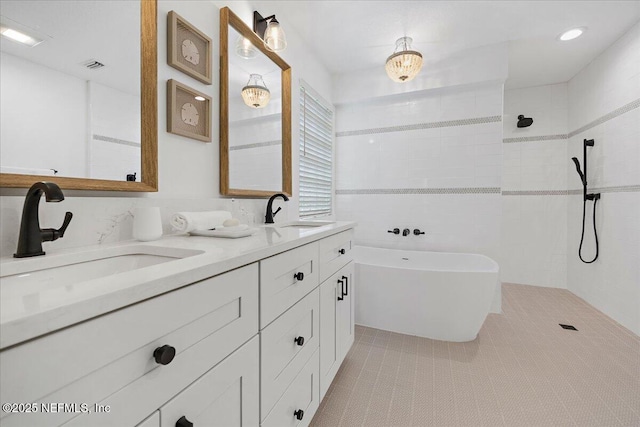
(274, 38)
(255, 94)
(245, 49)
(404, 64)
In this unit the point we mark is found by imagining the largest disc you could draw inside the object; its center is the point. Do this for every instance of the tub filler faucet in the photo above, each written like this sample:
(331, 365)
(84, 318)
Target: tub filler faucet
(31, 235)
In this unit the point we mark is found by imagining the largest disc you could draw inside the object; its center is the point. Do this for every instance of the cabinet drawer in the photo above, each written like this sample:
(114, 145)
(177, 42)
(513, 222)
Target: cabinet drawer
(335, 253)
(302, 394)
(115, 352)
(225, 396)
(282, 357)
(279, 289)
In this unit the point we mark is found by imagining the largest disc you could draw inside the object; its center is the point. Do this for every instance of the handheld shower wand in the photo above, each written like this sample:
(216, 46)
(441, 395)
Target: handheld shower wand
(586, 196)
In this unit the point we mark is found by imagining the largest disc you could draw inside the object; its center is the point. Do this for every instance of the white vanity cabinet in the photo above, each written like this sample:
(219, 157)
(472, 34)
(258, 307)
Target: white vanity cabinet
(133, 360)
(254, 345)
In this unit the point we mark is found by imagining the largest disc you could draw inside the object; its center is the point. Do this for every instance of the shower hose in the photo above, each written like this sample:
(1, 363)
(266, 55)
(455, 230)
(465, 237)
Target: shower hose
(595, 231)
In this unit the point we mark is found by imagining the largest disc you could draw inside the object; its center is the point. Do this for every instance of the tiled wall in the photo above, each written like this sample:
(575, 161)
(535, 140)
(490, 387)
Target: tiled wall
(429, 160)
(534, 184)
(604, 105)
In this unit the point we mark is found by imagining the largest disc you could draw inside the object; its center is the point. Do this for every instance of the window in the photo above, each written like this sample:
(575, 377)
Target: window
(316, 154)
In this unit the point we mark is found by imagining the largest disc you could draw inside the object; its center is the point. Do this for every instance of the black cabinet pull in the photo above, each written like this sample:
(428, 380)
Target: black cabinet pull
(342, 252)
(299, 341)
(298, 414)
(184, 422)
(299, 276)
(164, 355)
(341, 297)
(346, 282)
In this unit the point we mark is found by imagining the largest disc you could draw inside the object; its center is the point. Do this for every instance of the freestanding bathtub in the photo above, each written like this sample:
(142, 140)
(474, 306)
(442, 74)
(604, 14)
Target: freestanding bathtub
(443, 296)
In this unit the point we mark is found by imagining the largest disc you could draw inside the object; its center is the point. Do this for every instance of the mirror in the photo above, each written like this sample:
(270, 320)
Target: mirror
(255, 114)
(79, 100)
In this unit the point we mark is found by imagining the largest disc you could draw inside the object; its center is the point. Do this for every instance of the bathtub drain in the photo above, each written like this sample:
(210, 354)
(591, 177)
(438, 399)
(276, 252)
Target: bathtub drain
(406, 259)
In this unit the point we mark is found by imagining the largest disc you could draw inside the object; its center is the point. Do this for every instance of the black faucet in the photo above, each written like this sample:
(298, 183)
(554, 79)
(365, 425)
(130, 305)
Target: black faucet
(31, 236)
(268, 219)
(406, 232)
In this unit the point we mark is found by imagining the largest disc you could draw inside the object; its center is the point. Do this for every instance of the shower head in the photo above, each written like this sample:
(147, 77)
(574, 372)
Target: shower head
(524, 122)
(577, 162)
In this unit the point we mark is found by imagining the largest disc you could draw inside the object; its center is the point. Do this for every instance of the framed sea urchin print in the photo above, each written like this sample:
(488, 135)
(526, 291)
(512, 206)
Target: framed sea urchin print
(188, 49)
(188, 112)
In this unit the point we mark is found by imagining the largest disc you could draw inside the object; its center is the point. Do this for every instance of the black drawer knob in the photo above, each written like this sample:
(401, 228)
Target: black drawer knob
(299, 341)
(342, 251)
(184, 422)
(298, 414)
(299, 276)
(164, 355)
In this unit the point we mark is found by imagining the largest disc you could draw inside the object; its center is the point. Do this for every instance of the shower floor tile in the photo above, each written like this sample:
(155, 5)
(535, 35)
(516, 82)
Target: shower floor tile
(522, 370)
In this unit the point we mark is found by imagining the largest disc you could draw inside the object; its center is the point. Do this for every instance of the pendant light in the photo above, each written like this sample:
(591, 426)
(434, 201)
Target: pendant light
(255, 94)
(404, 64)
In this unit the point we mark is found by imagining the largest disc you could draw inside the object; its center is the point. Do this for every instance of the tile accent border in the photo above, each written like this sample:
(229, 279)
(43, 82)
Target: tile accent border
(612, 115)
(256, 145)
(535, 138)
(417, 126)
(398, 191)
(116, 140)
(536, 193)
(617, 189)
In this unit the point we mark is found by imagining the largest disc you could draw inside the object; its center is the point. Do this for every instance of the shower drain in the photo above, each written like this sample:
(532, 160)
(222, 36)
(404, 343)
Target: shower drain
(570, 327)
(406, 259)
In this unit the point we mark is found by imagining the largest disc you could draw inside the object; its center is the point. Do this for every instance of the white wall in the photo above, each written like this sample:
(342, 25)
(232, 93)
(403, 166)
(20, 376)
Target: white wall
(114, 134)
(38, 105)
(534, 184)
(604, 105)
(188, 169)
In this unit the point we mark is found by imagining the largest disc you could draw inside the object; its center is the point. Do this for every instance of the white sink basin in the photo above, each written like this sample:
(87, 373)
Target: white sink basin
(304, 224)
(41, 273)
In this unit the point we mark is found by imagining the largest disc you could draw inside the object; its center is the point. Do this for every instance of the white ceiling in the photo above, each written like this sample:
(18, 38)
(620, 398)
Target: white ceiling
(350, 35)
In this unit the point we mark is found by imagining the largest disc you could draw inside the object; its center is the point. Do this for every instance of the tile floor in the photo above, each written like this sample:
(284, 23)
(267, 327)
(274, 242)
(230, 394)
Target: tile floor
(522, 370)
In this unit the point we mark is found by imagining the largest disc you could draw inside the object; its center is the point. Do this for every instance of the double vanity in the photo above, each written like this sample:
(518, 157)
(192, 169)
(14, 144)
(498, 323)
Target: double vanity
(184, 331)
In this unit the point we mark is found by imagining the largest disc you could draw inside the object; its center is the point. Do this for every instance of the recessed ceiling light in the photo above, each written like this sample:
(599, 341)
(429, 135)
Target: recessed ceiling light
(571, 34)
(20, 33)
(199, 98)
(20, 37)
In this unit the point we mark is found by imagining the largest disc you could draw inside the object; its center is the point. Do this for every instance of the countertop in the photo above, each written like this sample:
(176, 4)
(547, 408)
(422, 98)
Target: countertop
(26, 312)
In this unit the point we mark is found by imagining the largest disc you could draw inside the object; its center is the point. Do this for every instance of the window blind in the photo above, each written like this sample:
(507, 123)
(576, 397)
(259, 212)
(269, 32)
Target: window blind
(316, 155)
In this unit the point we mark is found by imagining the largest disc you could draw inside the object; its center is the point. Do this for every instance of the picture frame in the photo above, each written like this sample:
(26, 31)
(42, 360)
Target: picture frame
(188, 112)
(188, 49)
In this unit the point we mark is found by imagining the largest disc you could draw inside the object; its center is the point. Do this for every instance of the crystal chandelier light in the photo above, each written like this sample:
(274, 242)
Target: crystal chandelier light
(255, 94)
(404, 64)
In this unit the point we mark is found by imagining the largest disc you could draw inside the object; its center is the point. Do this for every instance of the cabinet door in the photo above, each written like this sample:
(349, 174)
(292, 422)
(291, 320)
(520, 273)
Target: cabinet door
(345, 312)
(226, 396)
(337, 318)
(329, 363)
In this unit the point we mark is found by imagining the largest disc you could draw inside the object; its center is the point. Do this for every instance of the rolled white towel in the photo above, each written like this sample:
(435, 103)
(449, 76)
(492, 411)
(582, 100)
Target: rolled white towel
(188, 221)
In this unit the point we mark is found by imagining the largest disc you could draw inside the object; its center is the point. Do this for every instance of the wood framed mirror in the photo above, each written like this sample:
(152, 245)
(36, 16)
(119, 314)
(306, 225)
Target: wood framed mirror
(106, 88)
(255, 133)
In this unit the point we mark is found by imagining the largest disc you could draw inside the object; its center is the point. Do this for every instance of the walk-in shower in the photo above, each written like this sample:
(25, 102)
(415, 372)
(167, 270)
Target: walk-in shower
(586, 196)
